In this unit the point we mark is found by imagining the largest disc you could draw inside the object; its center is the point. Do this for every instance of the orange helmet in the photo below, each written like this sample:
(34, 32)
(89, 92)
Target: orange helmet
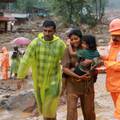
(114, 26)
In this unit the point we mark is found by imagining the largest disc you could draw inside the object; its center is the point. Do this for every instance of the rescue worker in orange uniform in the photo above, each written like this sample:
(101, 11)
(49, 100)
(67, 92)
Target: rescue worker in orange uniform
(112, 64)
(5, 63)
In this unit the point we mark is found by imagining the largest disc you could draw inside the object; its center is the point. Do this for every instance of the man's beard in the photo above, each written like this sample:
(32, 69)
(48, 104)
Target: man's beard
(47, 38)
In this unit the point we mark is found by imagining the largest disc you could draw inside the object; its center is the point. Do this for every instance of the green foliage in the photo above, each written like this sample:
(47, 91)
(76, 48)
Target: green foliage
(76, 11)
(2, 5)
(20, 5)
(67, 9)
(24, 5)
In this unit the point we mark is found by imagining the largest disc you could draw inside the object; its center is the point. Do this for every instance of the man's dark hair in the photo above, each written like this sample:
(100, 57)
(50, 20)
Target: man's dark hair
(76, 32)
(49, 23)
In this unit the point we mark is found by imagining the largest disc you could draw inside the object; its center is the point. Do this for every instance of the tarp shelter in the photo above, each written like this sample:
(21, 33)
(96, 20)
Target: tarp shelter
(5, 20)
(20, 18)
(4, 23)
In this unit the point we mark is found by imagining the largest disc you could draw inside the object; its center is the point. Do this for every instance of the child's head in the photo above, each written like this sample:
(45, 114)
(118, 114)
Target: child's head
(14, 55)
(15, 48)
(75, 36)
(89, 42)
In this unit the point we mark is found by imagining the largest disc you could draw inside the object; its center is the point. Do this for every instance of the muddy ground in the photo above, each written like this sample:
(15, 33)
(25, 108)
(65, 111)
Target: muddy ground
(103, 105)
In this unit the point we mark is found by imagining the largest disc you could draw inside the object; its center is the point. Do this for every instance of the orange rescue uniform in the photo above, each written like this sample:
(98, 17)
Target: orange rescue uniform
(5, 63)
(113, 76)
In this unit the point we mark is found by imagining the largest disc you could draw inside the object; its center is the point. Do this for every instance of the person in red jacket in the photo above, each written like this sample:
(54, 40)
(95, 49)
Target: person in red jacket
(5, 63)
(112, 64)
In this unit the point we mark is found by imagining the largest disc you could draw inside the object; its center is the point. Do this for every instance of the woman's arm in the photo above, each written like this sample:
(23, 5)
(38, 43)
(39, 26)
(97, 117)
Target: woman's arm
(68, 72)
(66, 67)
(72, 53)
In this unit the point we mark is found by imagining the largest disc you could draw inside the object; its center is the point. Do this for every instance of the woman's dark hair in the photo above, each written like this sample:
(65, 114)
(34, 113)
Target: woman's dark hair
(14, 55)
(49, 23)
(75, 32)
(15, 48)
(90, 41)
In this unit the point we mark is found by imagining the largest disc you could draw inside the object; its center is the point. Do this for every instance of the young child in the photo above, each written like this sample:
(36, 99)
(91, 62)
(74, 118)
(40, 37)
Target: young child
(14, 65)
(88, 52)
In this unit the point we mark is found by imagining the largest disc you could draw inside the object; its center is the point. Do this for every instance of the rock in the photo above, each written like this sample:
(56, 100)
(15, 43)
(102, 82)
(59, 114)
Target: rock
(23, 101)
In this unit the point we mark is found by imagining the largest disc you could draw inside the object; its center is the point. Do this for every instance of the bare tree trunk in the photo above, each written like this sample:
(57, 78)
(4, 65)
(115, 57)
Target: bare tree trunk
(101, 11)
(70, 12)
(96, 5)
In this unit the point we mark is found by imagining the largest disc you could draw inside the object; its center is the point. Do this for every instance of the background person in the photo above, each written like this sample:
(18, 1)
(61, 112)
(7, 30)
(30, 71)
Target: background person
(5, 63)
